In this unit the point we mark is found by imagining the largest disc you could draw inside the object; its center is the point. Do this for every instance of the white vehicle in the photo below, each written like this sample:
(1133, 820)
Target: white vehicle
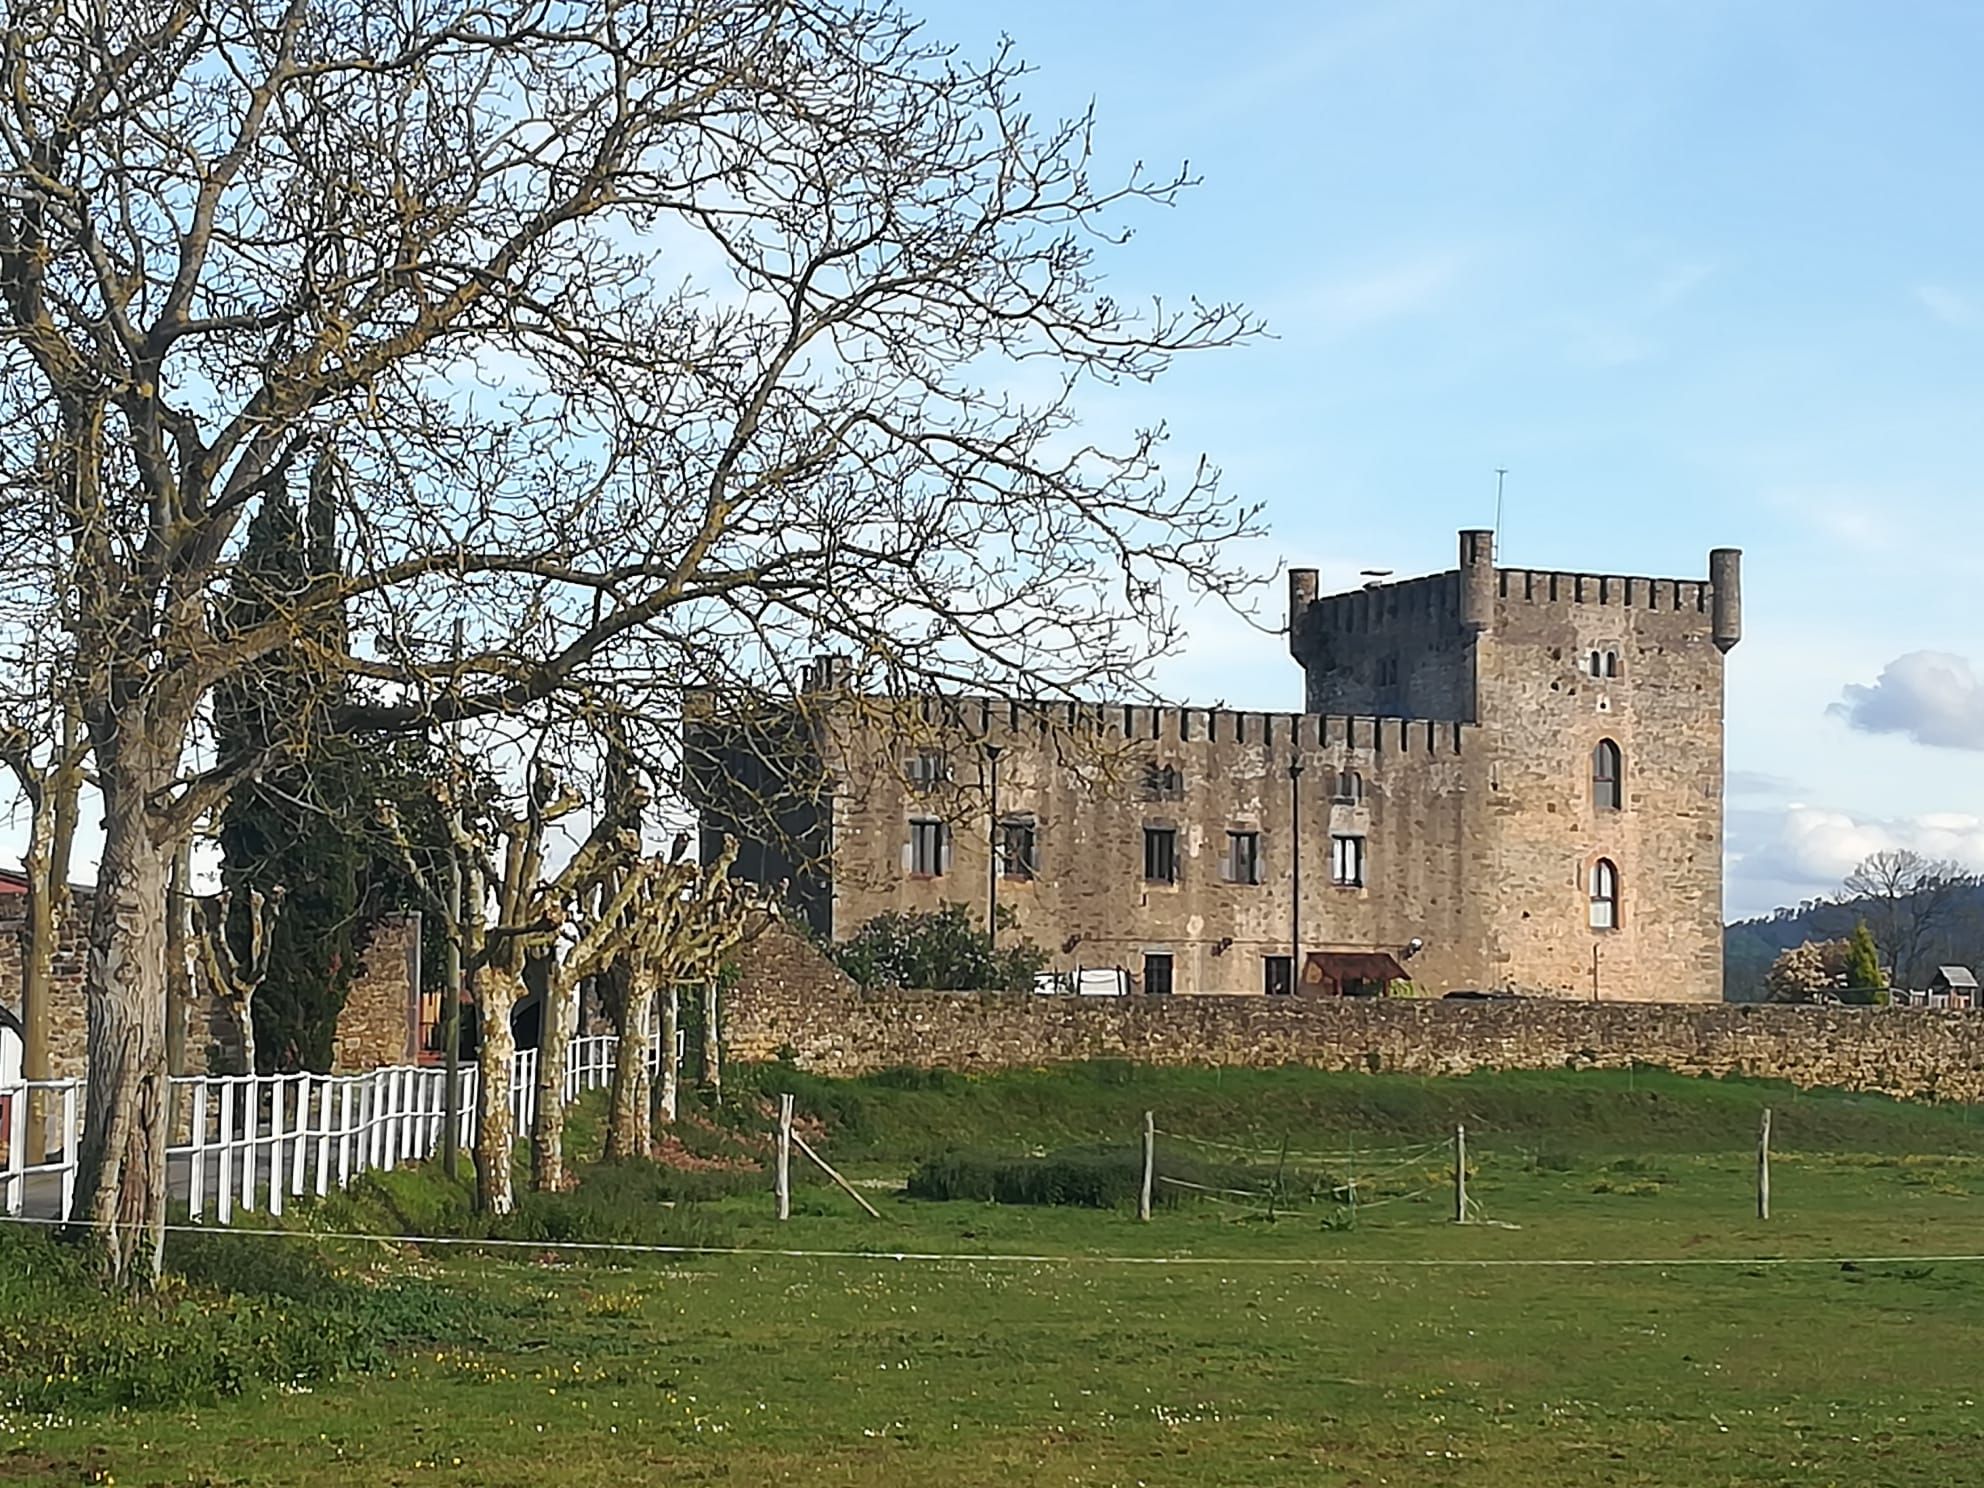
(1084, 981)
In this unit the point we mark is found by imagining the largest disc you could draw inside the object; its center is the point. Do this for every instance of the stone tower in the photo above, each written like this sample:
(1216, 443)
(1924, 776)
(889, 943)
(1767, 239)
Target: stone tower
(1593, 710)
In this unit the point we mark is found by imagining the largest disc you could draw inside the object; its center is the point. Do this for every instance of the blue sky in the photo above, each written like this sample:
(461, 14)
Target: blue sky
(1697, 274)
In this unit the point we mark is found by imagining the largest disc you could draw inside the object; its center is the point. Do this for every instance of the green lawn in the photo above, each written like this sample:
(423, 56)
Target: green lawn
(1304, 1350)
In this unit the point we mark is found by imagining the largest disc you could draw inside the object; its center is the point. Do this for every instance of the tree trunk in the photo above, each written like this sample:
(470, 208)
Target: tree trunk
(629, 1132)
(121, 1182)
(547, 1126)
(671, 1040)
(38, 965)
(712, 1047)
(178, 958)
(495, 1133)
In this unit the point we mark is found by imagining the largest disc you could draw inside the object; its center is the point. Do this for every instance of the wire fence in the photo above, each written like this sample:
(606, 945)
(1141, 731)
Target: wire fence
(1266, 1180)
(249, 1142)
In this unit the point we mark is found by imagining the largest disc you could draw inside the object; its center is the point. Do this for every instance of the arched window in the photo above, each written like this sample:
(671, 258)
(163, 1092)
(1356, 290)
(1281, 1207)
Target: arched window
(1608, 776)
(1349, 788)
(1595, 664)
(1611, 663)
(1604, 895)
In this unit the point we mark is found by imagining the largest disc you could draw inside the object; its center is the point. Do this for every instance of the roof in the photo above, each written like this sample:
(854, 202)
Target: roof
(1956, 976)
(1353, 966)
(12, 882)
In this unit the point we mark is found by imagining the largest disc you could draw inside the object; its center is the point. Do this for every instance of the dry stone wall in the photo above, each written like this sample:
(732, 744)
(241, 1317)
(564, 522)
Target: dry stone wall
(834, 1030)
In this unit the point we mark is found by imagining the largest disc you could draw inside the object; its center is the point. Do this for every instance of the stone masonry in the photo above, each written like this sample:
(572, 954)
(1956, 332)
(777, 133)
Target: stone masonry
(1448, 793)
(834, 1030)
(376, 1027)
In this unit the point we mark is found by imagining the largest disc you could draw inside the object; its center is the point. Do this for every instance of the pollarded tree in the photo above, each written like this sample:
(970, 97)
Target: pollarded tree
(656, 341)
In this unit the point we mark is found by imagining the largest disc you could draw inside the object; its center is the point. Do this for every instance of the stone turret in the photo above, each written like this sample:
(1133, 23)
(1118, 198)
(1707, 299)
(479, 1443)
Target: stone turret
(1477, 579)
(1725, 578)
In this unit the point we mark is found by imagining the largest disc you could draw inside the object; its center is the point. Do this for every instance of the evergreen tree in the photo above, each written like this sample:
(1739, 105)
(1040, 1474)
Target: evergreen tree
(1864, 981)
(309, 821)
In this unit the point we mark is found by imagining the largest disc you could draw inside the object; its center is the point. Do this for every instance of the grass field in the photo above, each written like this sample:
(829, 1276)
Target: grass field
(1309, 1349)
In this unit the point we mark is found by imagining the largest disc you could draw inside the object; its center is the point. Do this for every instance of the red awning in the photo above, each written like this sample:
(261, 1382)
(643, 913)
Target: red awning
(1351, 966)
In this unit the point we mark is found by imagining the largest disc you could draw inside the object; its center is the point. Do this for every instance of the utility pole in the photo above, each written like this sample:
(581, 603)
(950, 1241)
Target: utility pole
(1295, 874)
(992, 752)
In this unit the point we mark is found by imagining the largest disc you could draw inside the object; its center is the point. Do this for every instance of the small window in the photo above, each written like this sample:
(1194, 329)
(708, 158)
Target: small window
(928, 768)
(1347, 861)
(1243, 857)
(929, 848)
(1016, 849)
(1607, 771)
(1278, 975)
(1595, 664)
(1163, 782)
(1157, 974)
(1604, 895)
(1611, 663)
(1349, 789)
(1161, 854)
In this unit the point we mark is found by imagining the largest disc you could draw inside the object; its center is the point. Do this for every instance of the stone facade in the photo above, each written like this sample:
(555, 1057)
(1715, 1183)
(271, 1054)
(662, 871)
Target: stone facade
(1441, 793)
(376, 1027)
(837, 1031)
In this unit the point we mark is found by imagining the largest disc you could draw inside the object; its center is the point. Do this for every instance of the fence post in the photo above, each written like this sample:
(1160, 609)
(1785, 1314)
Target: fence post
(299, 1141)
(1763, 1167)
(1150, 1166)
(251, 1122)
(224, 1205)
(785, 1157)
(324, 1135)
(275, 1145)
(375, 1134)
(1460, 1175)
(197, 1195)
(71, 1157)
(16, 1175)
(344, 1133)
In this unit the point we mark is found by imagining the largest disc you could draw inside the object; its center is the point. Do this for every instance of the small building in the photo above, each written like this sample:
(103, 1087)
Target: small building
(1953, 987)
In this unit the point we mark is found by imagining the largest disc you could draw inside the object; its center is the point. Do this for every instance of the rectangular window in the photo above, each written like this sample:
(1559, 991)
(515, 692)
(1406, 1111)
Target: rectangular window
(1016, 849)
(1161, 854)
(1157, 974)
(929, 848)
(1277, 975)
(1347, 861)
(1243, 857)
(927, 768)
(1163, 782)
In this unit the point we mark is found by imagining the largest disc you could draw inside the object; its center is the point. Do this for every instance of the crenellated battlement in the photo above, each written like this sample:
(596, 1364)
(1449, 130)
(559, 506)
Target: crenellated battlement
(1463, 600)
(1552, 586)
(990, 717)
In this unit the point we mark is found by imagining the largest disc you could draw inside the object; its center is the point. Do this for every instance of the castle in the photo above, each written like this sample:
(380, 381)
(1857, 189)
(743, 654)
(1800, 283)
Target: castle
(1503, 779)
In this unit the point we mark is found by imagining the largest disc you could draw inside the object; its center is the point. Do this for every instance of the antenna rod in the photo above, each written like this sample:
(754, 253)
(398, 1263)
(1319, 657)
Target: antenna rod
(1500, 472)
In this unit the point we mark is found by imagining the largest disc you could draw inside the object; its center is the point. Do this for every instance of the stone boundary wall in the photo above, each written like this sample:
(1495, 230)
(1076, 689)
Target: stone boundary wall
(833, 1030)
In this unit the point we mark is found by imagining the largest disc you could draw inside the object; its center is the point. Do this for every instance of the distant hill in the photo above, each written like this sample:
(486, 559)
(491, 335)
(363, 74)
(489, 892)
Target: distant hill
(1750, 946)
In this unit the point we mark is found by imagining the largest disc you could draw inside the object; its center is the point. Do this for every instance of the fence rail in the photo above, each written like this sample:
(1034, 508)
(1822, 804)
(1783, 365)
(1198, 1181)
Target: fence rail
(249, 1142)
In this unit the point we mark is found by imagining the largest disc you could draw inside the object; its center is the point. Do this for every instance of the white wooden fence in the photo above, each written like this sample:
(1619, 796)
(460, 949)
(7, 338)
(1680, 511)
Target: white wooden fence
(248, 1142)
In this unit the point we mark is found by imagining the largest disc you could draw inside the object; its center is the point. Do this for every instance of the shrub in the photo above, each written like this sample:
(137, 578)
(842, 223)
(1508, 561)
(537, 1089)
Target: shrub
(1083, 1177)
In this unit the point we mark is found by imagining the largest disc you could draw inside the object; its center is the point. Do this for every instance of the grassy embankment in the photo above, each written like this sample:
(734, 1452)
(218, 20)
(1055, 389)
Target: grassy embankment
(294, 1361)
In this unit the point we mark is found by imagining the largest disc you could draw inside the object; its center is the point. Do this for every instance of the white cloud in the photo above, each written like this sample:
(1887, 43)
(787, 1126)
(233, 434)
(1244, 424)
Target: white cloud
(1782, 857)
(1933, 697)
(1950, 306)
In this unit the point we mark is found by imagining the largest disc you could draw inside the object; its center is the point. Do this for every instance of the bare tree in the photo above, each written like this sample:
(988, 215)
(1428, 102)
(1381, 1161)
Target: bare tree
(1908, 900)
(688, 917)
(233, 980)
(49, 775)
(660, 342)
